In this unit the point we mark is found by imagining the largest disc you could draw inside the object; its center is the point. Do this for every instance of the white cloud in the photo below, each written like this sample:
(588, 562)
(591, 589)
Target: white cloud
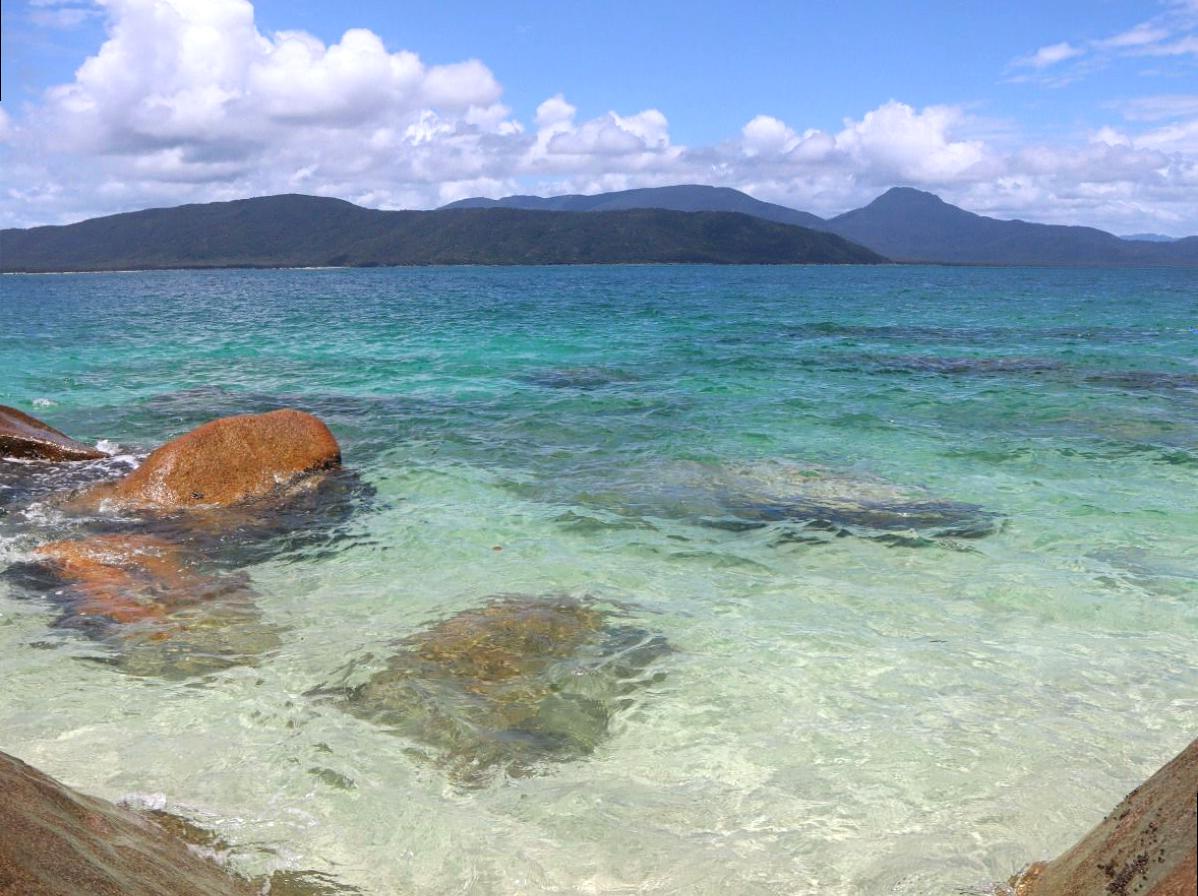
(553, 112)
(1183, 46)
(898, 142)
(1160, 107)
(1170, 33)
(187, 100)
(1141, 35)
(766, 135)
(1050, 55)
(60, 16)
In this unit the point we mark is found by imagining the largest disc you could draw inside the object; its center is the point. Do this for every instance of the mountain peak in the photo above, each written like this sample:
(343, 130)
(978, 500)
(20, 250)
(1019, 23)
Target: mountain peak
(909, 197)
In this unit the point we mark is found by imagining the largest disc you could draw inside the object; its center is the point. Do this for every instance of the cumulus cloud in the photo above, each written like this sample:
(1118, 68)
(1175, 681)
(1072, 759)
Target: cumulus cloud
(187, 100)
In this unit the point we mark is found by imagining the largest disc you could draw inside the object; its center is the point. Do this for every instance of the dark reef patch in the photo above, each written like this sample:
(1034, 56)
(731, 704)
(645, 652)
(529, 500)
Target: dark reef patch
(582, 378)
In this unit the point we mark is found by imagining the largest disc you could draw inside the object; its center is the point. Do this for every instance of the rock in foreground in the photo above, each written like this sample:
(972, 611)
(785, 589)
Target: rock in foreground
(56, 842)
(28, 438)
(1148, 846)
(509, 685)
(227, 462)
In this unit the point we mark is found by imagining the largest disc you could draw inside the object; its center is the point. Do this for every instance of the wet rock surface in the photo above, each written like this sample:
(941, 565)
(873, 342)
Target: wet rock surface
(55, 841)
(1147, 846)
(226, 462)
(27, 438)
(508, 686)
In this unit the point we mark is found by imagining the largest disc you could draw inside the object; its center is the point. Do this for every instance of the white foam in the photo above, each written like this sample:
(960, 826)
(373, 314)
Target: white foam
(145, 802)
(44, 403)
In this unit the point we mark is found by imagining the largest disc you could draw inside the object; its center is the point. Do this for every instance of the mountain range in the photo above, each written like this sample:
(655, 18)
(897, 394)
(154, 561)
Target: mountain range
(312, 231)
(678, 224)
(902, 224)
(681, 198)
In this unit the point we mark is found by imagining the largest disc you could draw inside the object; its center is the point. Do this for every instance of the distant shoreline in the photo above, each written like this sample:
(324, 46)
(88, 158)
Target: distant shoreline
(1097, 266)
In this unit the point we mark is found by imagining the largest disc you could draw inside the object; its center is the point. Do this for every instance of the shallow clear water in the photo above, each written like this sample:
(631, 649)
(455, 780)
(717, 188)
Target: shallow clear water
(848, 708)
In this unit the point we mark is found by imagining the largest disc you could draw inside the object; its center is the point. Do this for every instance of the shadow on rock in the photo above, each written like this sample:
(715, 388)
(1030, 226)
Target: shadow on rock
(506, 687)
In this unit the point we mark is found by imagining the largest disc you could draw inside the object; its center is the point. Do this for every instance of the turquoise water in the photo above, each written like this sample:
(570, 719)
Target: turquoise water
(851, 705)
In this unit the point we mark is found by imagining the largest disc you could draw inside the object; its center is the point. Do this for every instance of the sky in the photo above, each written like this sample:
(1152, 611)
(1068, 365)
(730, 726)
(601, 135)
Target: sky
(1064, 112)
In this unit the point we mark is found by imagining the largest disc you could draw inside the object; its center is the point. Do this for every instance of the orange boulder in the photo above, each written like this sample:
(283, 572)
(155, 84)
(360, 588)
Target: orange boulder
(228, 461)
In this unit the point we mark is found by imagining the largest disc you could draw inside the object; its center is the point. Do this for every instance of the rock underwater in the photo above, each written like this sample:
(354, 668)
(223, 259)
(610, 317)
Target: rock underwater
(1147, 846)
(507, 686)
(28, 438)
(148, 600)
(803, 502)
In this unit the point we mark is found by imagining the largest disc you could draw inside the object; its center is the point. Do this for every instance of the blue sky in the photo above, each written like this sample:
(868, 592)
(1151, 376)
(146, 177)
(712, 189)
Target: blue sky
(1069, 111)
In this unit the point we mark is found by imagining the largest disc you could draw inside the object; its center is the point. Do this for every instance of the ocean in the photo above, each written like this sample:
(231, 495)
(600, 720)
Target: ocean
(919, 547)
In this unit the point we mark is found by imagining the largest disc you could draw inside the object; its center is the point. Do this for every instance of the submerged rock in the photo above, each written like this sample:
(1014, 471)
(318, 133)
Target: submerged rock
(122, 578)
(1147, 846)
(806, 502)
(58, 842)
(509, 685)
(227, 462)
(144, 597)
(1147, 381)
(28, 438)
(851, 505)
